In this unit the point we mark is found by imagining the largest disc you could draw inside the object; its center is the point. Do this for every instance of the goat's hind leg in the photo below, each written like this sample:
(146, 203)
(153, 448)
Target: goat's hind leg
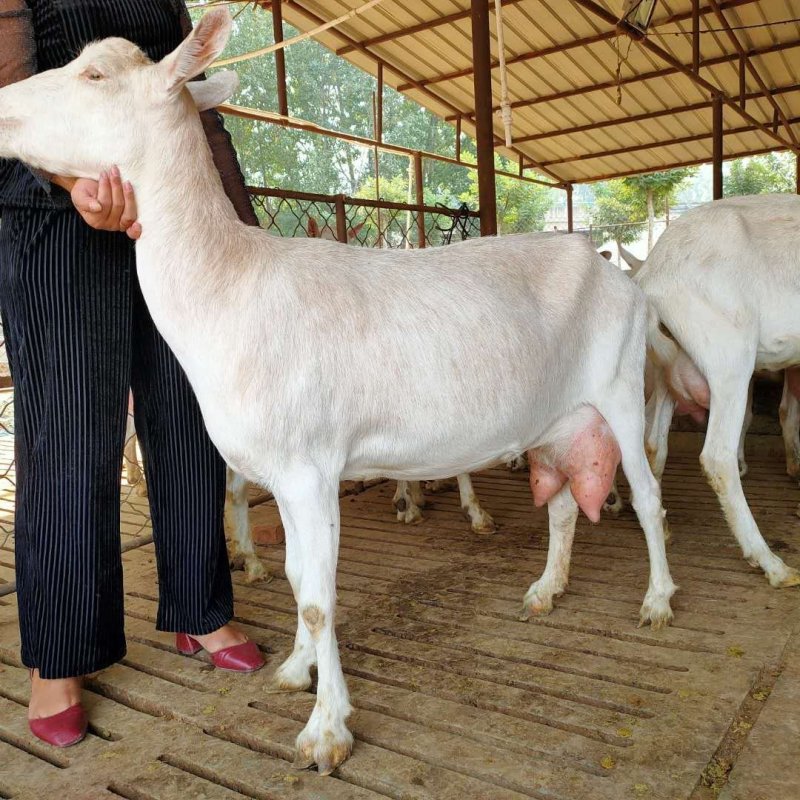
(408, 500)
(748, 419)
(614, 503)
(624, 413)
(719, 461)
(309, 505)
(133, 470)
(562, 513)
(239, 535)
(470, 505)
(790, 421)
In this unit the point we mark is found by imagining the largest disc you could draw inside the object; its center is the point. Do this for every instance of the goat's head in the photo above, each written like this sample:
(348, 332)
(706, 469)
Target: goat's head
(111, 105)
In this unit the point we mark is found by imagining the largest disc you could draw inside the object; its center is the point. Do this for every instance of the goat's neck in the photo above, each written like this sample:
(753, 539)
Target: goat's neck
(189, 225)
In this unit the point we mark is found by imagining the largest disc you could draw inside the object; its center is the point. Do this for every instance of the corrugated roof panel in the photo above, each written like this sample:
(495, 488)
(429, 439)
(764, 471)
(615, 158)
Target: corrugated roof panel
(573, 84)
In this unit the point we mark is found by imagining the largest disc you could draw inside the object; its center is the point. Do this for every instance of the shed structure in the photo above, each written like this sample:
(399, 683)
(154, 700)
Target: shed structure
(588, 102)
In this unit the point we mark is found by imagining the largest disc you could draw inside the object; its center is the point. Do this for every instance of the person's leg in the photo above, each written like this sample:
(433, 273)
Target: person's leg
(66, 313)
(186, 486)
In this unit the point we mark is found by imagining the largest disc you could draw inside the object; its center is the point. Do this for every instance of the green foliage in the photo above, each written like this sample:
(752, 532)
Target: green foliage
(621, 206)
(773, 172)
(662, 186)
(328, 91)
(617, 213)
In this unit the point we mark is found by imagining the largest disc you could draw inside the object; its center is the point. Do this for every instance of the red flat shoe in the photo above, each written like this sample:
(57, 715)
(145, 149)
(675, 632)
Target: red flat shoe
(64, 729)
(244, 657)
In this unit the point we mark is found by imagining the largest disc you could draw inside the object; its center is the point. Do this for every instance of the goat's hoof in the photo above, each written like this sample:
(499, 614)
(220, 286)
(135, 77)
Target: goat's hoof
(411, 516)
(537, 603)
(327, 747)
(743, 469)
(784, 579)
(254, 570)
(613, 504)
(236, 561)
(517, 464)
(656, 611)
(793, 470)
(483, 525)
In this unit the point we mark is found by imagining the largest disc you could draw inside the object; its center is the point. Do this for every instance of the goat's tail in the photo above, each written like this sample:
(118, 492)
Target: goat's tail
(663, 349)
(634, 263)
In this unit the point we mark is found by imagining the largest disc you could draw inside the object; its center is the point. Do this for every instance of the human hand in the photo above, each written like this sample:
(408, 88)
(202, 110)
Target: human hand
(108, 204)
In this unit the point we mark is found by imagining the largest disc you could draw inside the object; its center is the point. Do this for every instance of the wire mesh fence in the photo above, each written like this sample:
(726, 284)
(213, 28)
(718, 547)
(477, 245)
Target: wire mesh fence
(362, 221)
(358, 221)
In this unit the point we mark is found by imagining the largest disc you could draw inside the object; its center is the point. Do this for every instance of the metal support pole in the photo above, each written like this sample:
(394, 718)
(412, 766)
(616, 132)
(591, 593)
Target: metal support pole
(482, 81)
(570, 216)
(419, 188)
(458, 138)
(379, 115)
(280, 58)
(797, 173)
(341, 219)
(717, 146)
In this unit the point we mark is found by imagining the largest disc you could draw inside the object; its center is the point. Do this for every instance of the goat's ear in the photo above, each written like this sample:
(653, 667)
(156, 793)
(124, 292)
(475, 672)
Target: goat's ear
(198, 49)
(213, 91)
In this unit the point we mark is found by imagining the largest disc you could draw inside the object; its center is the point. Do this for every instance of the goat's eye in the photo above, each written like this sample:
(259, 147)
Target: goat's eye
(93, 74)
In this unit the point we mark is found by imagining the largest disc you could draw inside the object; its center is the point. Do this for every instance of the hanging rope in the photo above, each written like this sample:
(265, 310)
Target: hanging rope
(299, 38)
(505, 103)
(621, 59)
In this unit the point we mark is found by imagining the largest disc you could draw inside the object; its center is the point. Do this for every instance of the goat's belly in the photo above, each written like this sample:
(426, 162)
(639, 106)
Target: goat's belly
(413, 460)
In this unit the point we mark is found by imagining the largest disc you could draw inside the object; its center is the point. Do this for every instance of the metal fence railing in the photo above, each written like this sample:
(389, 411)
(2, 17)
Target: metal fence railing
(362, 221)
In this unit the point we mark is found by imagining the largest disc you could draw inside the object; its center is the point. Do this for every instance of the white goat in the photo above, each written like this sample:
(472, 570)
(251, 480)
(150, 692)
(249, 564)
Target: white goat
(723, 285)
(408, 497)
(789, 413)
(527, 342)
(238, 532)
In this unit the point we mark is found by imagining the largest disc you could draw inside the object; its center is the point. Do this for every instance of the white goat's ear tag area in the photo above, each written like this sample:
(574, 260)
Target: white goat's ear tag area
(199, 49)
(215, 90)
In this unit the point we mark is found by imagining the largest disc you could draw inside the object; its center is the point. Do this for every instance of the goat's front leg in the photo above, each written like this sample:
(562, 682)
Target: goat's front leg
(562, 514)
(407, 500)
(239, 535)
(309, 506)
(481, 521)
(790, 421)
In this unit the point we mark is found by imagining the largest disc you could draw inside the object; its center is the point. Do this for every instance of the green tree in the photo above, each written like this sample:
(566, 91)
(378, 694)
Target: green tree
(618, 213)
(773, 172)
(657, 190)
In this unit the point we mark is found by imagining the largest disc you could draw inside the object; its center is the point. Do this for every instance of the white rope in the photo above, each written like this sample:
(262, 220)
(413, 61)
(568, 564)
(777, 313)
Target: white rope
(299, 38)
(505, 103)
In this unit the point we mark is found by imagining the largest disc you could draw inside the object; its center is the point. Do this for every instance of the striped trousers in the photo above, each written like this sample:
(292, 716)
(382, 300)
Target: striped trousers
(78, 336)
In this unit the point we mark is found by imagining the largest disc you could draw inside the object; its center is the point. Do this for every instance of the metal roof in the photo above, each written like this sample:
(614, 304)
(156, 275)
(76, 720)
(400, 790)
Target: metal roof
(576, 117)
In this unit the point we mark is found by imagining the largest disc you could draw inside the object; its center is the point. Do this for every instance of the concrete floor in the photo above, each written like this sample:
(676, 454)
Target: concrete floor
(455, 698)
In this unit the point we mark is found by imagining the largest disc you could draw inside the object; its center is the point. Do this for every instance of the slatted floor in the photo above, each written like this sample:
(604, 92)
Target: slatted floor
(455, 698)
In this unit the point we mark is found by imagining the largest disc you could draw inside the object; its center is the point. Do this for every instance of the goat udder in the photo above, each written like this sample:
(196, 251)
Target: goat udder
(589, 465)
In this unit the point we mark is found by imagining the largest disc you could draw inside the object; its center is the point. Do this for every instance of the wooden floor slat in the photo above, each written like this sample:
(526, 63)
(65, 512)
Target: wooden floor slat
(454, 698)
